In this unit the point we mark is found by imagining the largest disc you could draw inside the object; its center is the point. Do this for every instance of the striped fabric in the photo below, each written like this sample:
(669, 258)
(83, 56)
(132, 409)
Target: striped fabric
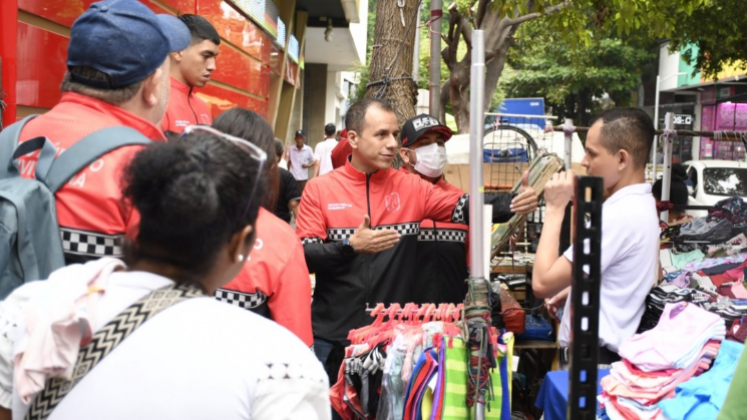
(455, 383)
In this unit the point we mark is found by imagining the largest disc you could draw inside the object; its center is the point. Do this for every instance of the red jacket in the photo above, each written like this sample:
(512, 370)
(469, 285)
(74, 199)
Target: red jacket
(442, 257)
(92, 216)
(341, 152)
(274, 281)
(331, 209)
(185, 109)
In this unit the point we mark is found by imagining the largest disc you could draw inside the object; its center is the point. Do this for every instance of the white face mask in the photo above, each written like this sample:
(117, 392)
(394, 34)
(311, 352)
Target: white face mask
(431, 160)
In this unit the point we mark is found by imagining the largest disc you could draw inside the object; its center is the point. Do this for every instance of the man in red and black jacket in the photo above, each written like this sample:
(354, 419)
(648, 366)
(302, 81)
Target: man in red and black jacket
(442, 246)
(360, 223)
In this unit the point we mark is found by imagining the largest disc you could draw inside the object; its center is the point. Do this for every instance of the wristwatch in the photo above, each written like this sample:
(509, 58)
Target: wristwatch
(347, 248)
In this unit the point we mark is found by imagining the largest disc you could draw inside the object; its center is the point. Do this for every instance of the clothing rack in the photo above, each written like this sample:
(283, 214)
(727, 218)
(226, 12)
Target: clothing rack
(438, 312)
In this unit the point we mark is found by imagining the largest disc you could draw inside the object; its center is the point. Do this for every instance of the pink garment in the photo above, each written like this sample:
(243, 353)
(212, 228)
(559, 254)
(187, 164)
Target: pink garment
(639, 381)
(612, 386)
(57, 322)
(739, 291)
(681, 327)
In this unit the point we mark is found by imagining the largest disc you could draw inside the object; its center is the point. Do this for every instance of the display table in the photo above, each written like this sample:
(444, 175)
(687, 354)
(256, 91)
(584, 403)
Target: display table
(553, 395)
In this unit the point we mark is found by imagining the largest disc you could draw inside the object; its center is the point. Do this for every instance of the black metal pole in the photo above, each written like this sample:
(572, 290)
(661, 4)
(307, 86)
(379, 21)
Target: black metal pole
(585, 299)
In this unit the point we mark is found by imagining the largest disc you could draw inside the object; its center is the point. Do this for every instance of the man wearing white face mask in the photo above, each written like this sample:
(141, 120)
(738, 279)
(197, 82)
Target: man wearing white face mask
(442, 247)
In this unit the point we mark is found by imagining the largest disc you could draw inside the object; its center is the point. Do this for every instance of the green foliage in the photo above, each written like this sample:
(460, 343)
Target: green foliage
(717, 28)
(569, 74)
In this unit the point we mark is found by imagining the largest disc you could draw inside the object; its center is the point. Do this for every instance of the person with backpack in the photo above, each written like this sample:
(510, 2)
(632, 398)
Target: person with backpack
(155, 344)
(110, 83)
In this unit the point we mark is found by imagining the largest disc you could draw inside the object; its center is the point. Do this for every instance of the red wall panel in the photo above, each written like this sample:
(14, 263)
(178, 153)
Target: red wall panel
(219, 100)
(63, 12)
(239, 70)
(9, 53)
(181, 6)
(237, 29)
(42, 54)
(41, 66)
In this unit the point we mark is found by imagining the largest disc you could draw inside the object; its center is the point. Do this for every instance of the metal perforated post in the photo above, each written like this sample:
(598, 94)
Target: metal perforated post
(568, 130)
(585, 299)
(478, 278)
(666, 182)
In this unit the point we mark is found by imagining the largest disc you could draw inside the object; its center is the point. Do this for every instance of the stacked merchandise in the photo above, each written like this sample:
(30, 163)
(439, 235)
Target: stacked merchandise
(414, 366)
(682, 345)
(514, 317)
(705, 263)
(703, 397)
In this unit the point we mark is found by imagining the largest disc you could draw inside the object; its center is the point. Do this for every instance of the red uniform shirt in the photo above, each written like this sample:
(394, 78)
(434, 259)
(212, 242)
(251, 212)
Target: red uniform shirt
(341, 152)
(185, 109)
(441, 258)
(332, 208)
(92, 216)
(275, 281)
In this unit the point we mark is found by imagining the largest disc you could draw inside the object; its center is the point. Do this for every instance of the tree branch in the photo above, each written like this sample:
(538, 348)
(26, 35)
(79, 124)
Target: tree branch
(482, 5)
(550, 10)
(467, 33)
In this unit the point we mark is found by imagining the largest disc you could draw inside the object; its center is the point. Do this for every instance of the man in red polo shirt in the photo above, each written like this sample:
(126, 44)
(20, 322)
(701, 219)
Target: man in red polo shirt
(110, 82)
(191, 68)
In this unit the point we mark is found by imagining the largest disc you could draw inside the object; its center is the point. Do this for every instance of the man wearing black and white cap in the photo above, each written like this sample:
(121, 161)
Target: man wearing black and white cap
(442, 246)
(300, 159)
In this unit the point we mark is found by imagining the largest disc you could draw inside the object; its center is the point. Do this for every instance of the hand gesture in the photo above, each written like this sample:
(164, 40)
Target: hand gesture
(560, 189)
(368, 241)
(527, 200)
(556, 302)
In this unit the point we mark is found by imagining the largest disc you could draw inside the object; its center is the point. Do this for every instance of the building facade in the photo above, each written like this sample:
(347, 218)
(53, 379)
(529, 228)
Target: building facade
(267, 51)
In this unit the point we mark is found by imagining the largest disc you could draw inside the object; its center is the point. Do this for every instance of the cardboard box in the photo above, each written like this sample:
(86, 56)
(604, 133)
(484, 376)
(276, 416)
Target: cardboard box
(494, 174)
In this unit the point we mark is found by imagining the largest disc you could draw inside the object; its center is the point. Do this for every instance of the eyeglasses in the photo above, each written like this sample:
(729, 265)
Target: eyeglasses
(250, 148)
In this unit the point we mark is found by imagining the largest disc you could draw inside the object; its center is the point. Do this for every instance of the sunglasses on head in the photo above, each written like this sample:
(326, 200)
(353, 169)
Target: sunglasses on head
(250, 148)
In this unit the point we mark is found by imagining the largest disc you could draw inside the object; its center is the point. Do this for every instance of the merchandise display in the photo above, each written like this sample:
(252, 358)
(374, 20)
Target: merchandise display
(414, 365)
(680, 363)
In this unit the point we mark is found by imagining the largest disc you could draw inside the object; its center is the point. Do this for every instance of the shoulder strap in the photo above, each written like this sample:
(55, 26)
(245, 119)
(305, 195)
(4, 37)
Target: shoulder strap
(106, 340)
(87, 150)
(8, 143)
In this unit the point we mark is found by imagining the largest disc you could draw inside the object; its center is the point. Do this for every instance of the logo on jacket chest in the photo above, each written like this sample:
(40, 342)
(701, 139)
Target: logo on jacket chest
(392, 202)
(338, 206)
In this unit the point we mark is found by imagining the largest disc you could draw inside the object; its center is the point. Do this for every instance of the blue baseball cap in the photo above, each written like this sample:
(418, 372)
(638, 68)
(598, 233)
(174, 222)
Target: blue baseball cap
(124, 40)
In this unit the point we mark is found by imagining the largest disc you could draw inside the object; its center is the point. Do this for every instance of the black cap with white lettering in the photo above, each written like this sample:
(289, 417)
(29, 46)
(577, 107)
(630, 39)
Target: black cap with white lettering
(415, 127)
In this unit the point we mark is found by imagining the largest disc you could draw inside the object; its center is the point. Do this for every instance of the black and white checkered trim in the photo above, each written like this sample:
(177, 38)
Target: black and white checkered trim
(458, 215)
(94, 244)
(442, 235)
(341, 234)
(242, 300)
(306, 241)
(404, 229)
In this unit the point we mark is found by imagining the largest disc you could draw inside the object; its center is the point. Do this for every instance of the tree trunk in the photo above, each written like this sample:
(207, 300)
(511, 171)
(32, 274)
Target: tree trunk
(459, 81)
(445, 93)
(392, 57)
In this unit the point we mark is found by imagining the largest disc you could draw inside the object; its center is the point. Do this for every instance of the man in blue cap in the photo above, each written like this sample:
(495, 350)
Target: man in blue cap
(118, 75)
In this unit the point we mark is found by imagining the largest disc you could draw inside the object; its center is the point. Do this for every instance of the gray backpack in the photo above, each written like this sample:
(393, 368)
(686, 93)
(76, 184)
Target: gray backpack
(30, 244)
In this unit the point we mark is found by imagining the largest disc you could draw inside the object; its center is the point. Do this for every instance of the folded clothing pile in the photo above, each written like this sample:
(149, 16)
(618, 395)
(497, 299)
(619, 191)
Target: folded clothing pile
(704, 396)
(682, 345)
